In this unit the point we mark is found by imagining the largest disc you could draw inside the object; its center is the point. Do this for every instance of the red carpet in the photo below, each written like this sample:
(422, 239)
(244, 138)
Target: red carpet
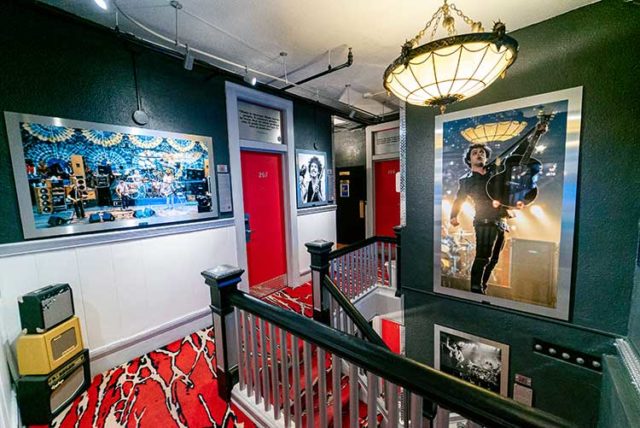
(174, 386)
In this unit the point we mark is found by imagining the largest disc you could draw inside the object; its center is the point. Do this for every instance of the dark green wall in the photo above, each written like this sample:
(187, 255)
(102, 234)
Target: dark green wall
(349, 148)
(312, 126)
(595, 47)
(634, 317)
(619, 406)
(56, 66)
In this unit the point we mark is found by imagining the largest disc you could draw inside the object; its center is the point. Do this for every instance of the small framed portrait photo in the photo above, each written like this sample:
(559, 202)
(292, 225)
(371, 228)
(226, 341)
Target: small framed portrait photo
(474, 359)
(312, 178)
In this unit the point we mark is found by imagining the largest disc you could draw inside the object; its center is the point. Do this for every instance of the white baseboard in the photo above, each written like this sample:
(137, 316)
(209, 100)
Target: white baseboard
(124, 350)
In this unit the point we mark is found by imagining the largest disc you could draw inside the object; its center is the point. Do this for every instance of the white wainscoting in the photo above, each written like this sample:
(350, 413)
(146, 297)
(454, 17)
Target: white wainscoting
(131, 296)
(312, 226)
(8, 405)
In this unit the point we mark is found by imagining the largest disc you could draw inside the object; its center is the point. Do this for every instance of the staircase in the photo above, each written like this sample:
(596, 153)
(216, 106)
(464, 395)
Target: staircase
(287, 370)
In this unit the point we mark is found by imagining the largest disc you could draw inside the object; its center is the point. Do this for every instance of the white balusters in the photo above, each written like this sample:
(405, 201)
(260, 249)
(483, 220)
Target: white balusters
(372, 399)
(354, 402)
(285, 378)
(275, 382)
(392, 405)
(297, 404)
(322, 388)
(416, 411)
(308, 382)
(265, 368)
(336, 377)
(239, 348)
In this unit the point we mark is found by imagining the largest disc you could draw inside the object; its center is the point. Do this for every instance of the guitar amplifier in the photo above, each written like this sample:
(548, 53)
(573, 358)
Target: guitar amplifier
(45, 308)
(42, 398)
(40, 354)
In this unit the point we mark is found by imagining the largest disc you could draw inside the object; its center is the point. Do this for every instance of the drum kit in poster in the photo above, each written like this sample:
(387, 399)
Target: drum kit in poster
(457, 251)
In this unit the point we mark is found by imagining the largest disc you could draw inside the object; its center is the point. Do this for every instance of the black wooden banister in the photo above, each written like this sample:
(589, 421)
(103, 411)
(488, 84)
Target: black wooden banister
(355, 315)
(477, 404)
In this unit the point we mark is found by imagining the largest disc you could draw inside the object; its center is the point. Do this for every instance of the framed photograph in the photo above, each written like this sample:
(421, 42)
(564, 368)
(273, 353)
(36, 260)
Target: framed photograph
(474, 359)
(77, 177)
(312, 178)
(505, 198)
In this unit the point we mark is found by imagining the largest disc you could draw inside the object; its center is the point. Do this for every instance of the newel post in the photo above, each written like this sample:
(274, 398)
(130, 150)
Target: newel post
(222, 281)
(319, 250)
(398, 231)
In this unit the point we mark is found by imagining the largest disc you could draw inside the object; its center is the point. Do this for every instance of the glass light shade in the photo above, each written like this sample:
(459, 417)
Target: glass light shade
(450, 69)
(491, 132)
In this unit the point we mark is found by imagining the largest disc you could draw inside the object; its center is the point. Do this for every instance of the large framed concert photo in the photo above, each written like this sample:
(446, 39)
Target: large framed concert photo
(311, 169)
(505, 201)
(76, 177)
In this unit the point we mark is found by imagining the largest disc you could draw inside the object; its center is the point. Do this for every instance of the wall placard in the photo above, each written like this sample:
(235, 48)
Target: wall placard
(386, 141)
(257, 123)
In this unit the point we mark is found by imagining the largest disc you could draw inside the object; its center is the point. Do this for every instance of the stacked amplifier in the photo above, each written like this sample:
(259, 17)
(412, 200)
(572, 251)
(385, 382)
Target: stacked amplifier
(50, 197)
(53, 366)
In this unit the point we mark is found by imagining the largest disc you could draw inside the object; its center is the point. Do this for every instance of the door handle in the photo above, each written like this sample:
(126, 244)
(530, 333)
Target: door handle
(247, 229)
(362, 204)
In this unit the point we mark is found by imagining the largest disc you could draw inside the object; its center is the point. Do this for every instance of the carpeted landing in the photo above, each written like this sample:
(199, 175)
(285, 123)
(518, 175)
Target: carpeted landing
(174, 386)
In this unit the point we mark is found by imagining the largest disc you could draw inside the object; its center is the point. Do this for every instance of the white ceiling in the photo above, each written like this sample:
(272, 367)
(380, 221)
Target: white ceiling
(311, 32)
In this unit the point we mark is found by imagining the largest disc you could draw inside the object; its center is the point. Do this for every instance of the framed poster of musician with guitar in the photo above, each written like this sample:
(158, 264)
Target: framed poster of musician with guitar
(505, 198)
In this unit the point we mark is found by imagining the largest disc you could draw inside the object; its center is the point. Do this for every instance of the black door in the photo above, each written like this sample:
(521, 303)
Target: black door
(351, 194)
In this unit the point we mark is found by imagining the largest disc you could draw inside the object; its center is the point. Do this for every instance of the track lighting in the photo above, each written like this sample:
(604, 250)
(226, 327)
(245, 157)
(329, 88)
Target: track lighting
(188, 60)
(249, 78)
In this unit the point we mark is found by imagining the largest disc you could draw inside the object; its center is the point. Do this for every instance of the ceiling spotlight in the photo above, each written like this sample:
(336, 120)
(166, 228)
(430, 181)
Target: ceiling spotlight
(249, 78)
(451, 69)
(102, 4)
(188, 60)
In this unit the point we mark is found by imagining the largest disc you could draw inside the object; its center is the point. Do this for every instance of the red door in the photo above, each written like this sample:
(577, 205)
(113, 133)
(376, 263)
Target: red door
(387, 207)
(390, 333)
(264, 204)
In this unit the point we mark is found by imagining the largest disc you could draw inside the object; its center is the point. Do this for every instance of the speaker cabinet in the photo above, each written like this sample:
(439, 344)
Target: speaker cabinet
(42, 398)
(40, 354)
(44, 202)
(534, 271)
(45, 308)
(77, 165)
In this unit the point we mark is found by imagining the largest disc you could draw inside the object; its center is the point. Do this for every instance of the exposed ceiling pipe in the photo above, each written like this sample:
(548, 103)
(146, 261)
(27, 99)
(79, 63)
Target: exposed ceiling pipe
(329, 70)
(232, 63)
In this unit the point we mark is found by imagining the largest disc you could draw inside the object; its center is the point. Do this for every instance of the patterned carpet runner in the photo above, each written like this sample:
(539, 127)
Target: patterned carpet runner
(174, 386)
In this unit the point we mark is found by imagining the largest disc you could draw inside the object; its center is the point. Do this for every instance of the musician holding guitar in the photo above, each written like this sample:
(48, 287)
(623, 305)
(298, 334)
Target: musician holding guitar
(77, 198)
(508, 182)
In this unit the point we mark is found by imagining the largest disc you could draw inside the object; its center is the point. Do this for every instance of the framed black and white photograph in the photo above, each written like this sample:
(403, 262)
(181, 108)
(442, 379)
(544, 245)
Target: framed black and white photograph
(479, 361)
(76, 177)
(312, 178)
(505, 200)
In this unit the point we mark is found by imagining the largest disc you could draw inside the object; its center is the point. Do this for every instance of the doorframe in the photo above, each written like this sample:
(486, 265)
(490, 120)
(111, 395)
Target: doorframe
(370, 213)
(235, 92)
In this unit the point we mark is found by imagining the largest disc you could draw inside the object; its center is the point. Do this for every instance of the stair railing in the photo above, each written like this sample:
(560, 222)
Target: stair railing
(258, 346)
(355, 269)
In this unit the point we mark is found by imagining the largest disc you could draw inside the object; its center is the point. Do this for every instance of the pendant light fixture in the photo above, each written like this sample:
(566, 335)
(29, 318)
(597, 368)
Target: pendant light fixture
(451, 69)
